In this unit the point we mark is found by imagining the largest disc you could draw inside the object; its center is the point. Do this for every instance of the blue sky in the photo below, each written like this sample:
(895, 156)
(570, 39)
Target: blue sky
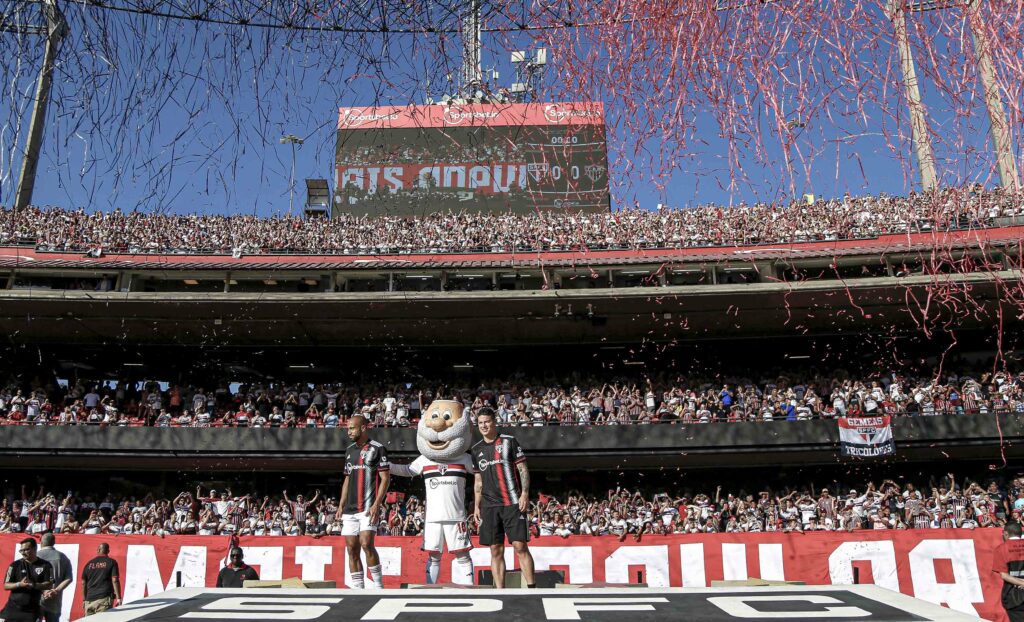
(182, 117)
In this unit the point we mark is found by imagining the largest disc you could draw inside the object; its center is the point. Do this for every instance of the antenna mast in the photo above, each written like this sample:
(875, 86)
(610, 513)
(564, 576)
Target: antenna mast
(471, 78)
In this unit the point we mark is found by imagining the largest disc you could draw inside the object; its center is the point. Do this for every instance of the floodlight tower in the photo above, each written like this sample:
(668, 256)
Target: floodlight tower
(918, 123)
(999, 128)
(56, 29)
(291, 139)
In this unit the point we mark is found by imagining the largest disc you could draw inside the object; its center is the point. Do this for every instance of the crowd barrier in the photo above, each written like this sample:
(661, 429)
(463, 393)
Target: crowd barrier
(951, 567)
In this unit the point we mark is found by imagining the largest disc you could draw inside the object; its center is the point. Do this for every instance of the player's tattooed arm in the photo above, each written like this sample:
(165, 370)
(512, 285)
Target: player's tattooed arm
(478, 493)
(524, 479)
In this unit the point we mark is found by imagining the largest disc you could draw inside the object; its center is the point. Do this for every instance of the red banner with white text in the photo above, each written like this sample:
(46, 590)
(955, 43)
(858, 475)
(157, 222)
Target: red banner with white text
(480, 115)
(951, 567)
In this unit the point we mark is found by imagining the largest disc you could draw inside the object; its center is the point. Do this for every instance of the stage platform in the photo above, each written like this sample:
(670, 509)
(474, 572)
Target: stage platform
(866, 603)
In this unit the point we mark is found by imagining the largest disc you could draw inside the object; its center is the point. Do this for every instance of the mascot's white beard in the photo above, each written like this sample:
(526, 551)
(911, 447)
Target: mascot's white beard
(458, 438)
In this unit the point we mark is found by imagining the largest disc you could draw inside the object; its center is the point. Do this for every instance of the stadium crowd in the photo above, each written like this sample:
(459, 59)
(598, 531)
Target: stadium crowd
(942, 503)
(55, 229)
(659, 398)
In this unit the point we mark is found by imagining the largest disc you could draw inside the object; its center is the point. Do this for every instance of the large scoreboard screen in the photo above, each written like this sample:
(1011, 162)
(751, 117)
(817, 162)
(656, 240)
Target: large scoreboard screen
(415, 160)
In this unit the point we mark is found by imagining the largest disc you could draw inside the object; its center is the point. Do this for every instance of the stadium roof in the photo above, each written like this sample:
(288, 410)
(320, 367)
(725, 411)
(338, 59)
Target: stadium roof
(619, 315)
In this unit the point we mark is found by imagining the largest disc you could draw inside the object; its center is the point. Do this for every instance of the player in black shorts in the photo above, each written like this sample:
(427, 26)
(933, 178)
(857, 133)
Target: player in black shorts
(502, 487)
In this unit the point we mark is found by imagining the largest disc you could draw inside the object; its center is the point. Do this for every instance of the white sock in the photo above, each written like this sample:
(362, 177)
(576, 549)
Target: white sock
(376, 576)
(433, 568)
(462, 570)
(356, 579)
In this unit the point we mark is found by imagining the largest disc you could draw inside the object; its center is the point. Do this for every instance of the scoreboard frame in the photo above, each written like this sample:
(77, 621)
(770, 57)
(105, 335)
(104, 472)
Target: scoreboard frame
(520, 158)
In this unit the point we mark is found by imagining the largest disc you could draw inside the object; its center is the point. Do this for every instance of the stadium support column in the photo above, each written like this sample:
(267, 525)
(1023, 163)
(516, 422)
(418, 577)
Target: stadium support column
(56, 30)
(918, 123)
(471, 44)
(998, 125)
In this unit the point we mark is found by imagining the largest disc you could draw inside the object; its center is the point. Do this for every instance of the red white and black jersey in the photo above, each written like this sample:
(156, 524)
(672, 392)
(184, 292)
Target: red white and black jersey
(496, 463)
(362, 466)
(299, 510)
(446, 486)
(826, 507)
(970, 402)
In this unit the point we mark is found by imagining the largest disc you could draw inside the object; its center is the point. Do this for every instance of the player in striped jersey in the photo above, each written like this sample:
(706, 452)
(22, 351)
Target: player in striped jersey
(367, 475)
(502, 487)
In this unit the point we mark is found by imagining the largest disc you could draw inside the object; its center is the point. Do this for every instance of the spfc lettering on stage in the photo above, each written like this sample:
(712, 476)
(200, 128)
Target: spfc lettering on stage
(860, 603)
(866, 437)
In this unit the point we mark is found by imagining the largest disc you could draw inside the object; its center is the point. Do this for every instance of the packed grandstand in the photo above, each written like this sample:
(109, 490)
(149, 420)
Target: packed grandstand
(806, 219)
(657, 399)
(799, 367)
(942, 502)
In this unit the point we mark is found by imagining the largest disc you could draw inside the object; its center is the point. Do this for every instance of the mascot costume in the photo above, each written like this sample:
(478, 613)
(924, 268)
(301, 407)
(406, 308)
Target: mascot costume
(443, 438)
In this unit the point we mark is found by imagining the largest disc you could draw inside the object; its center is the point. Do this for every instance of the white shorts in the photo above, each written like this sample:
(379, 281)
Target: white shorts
(354, 524)
(454, 535)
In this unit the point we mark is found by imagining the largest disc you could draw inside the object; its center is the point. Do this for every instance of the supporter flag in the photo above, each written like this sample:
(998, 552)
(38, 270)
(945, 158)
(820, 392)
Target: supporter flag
(233, 542)
(866, 437)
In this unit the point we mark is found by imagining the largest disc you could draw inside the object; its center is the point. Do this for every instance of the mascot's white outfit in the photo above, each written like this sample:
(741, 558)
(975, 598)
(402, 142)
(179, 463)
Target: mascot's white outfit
(443, 437)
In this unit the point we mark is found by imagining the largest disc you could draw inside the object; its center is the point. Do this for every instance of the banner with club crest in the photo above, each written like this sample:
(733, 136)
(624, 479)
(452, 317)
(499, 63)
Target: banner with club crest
(866, 437)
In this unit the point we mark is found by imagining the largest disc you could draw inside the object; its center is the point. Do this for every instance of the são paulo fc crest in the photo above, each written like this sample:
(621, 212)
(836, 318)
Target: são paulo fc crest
(594, 172)
(866, 437)
(538, 170)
